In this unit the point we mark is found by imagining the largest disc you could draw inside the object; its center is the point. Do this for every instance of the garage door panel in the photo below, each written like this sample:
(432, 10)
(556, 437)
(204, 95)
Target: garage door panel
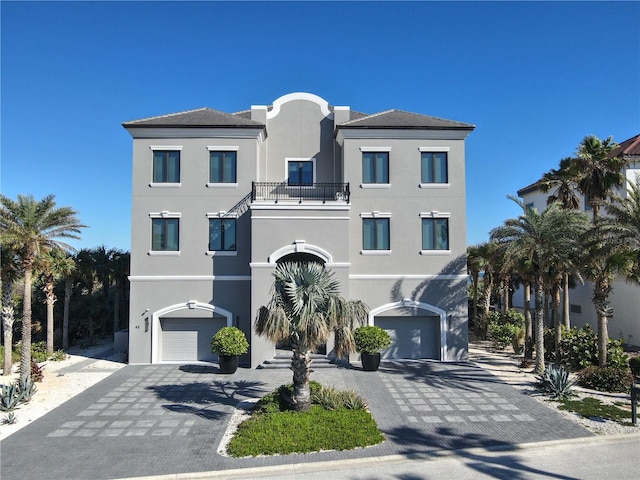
(189, 339)
(411, 337)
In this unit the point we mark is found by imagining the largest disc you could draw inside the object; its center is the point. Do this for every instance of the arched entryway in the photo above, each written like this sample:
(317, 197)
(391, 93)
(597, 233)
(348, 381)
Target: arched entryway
(182, 332)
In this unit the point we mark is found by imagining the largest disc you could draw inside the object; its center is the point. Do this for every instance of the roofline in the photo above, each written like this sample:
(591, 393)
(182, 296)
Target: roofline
(136, 125)
(405, 127)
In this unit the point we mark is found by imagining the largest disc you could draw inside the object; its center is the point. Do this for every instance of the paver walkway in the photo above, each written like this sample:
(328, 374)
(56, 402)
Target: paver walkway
(163, 419)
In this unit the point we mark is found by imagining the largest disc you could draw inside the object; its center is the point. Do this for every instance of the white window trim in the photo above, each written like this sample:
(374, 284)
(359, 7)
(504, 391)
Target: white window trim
(376, 252)
(222, 214)
(375, 185)
(436, 214)
(434, 185)
(222, 185)
(303, 159)
(433, 149)
(223, 148)
(375, 214)
(165, 185)
(165, 147)
(164, 253)
(375, 149)
(221, 253)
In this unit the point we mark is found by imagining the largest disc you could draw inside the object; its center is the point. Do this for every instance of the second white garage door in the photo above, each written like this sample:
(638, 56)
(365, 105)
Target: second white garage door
(189, 339)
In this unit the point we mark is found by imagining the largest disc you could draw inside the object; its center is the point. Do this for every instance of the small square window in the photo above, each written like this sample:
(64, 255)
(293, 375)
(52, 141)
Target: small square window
(375, 167)
(166, 166)
(435, 234)
(375, 234)
(300, 172)
(222, 234)
(434, 167)
(165, 234)
(222, 167)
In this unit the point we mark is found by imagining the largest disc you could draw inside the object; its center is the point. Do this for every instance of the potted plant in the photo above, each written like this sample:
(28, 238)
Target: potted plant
(229, 343)
(370, 340)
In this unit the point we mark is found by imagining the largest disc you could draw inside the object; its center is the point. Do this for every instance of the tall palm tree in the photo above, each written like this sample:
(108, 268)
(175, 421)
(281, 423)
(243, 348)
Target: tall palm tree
(9, 273)
(596, 172)
(539, 238)
(120, 275)
(305, 307)
(30, 227)
(53, 264)
(69, 281)
(475, 265)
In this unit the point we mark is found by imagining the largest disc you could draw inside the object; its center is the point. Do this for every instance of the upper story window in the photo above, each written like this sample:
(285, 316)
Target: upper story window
(434, 167)
(222, 167)
(375, 234)
(375, 167)
(435, 234)
(166, 166)
(222, 234)
(165, 234)
(300, 172)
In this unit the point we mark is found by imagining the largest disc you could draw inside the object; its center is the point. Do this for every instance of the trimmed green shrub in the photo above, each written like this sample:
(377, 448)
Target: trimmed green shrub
(229, 341)
(371, 339)
(502, 330)
(39, 351)
(634, 365)
(606, 379)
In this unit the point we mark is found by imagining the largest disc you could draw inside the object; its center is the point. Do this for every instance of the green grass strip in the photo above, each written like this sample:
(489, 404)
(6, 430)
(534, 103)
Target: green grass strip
(302, 432)
(592, 407)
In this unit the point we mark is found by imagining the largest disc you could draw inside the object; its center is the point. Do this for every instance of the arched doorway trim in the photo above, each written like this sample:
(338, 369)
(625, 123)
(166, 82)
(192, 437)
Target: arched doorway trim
(191, 305)
(297, 247)
(408, 303)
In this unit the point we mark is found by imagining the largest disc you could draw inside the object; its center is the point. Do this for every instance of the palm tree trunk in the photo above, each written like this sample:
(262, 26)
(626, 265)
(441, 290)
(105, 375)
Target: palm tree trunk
(68, 291)
(539, 326)
(475, 298)
(601, 290)
(301, 366)
(7, 325)
(556, 319)
(50, 302)
(25, 352)
(566, 320)
(116, 309)
(528, 326)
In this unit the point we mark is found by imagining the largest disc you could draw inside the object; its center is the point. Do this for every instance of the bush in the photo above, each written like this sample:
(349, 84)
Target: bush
(279, 400)
(39, 351)
(634, 365)
(606, 379)
(579, 349)
(371, 339)
(229, 341)
(503, 329)
(331, 398)
(15, 355)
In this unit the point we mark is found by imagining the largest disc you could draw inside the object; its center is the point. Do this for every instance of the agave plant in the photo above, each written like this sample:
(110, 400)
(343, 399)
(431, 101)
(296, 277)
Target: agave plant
(9, 397)
(555, 381)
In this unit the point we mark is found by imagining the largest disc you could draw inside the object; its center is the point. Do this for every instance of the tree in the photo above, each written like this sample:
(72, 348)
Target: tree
(596, 172)
(68, 292)
(53, 264)
(30, 227)
(304, 308)
(120, 274)
(539, 239)
(10, 271)
(475, 265)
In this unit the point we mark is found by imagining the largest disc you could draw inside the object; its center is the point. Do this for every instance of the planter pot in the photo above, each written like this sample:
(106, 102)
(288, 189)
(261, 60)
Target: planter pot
(370, 361)
(228, 363)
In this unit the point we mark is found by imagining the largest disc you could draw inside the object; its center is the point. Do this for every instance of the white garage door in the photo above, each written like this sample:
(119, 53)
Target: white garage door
(189, 339)
(411, 337)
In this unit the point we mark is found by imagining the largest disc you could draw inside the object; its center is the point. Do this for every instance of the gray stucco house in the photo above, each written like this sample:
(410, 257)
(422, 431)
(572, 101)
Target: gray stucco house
(219, 199)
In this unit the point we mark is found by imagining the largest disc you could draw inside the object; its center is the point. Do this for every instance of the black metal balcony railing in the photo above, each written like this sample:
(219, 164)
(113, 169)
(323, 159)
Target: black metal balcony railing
(318, 192)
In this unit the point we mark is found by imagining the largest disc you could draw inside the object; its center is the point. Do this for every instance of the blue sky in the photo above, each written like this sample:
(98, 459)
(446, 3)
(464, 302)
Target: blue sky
(534, 77)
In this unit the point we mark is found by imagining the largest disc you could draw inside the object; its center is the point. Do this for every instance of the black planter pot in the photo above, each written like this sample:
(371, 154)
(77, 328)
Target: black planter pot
(228, 363)
(370, 361)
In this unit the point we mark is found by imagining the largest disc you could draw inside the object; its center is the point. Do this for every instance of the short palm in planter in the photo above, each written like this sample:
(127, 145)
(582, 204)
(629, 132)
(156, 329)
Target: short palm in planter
(229, 343)
(370, 340)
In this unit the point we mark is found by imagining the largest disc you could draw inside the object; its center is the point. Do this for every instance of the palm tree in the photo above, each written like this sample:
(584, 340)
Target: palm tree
(10, 271)
(305, 307)
(120, 272)
(53, 264)
(69, 280)
(31, 227)
(475, 265)
(596, 172)
(538, 238)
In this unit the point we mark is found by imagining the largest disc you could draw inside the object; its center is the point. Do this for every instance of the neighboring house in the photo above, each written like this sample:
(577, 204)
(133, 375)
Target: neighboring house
(625, 298)
(220, 199)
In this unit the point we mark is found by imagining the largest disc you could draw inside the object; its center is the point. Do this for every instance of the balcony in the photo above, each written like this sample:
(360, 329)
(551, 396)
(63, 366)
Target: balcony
(314, 192)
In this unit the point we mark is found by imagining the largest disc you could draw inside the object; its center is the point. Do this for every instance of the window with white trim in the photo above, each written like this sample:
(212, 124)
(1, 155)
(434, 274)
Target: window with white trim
(375, 167)
(435, 233)
(300, 172)
(165, 234)
(223, 167)
(376, 234)
(222, 234)
(434, 166)
(166, 166)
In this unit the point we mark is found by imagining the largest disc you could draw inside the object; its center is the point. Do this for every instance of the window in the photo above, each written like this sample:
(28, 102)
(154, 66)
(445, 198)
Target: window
(435, 234)
(165, 233)
(222, 167)
(434, 167)
(375, 167)
(166, 166)
(375, 234)
(300, 172)
(573, 308)
(222, 234)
